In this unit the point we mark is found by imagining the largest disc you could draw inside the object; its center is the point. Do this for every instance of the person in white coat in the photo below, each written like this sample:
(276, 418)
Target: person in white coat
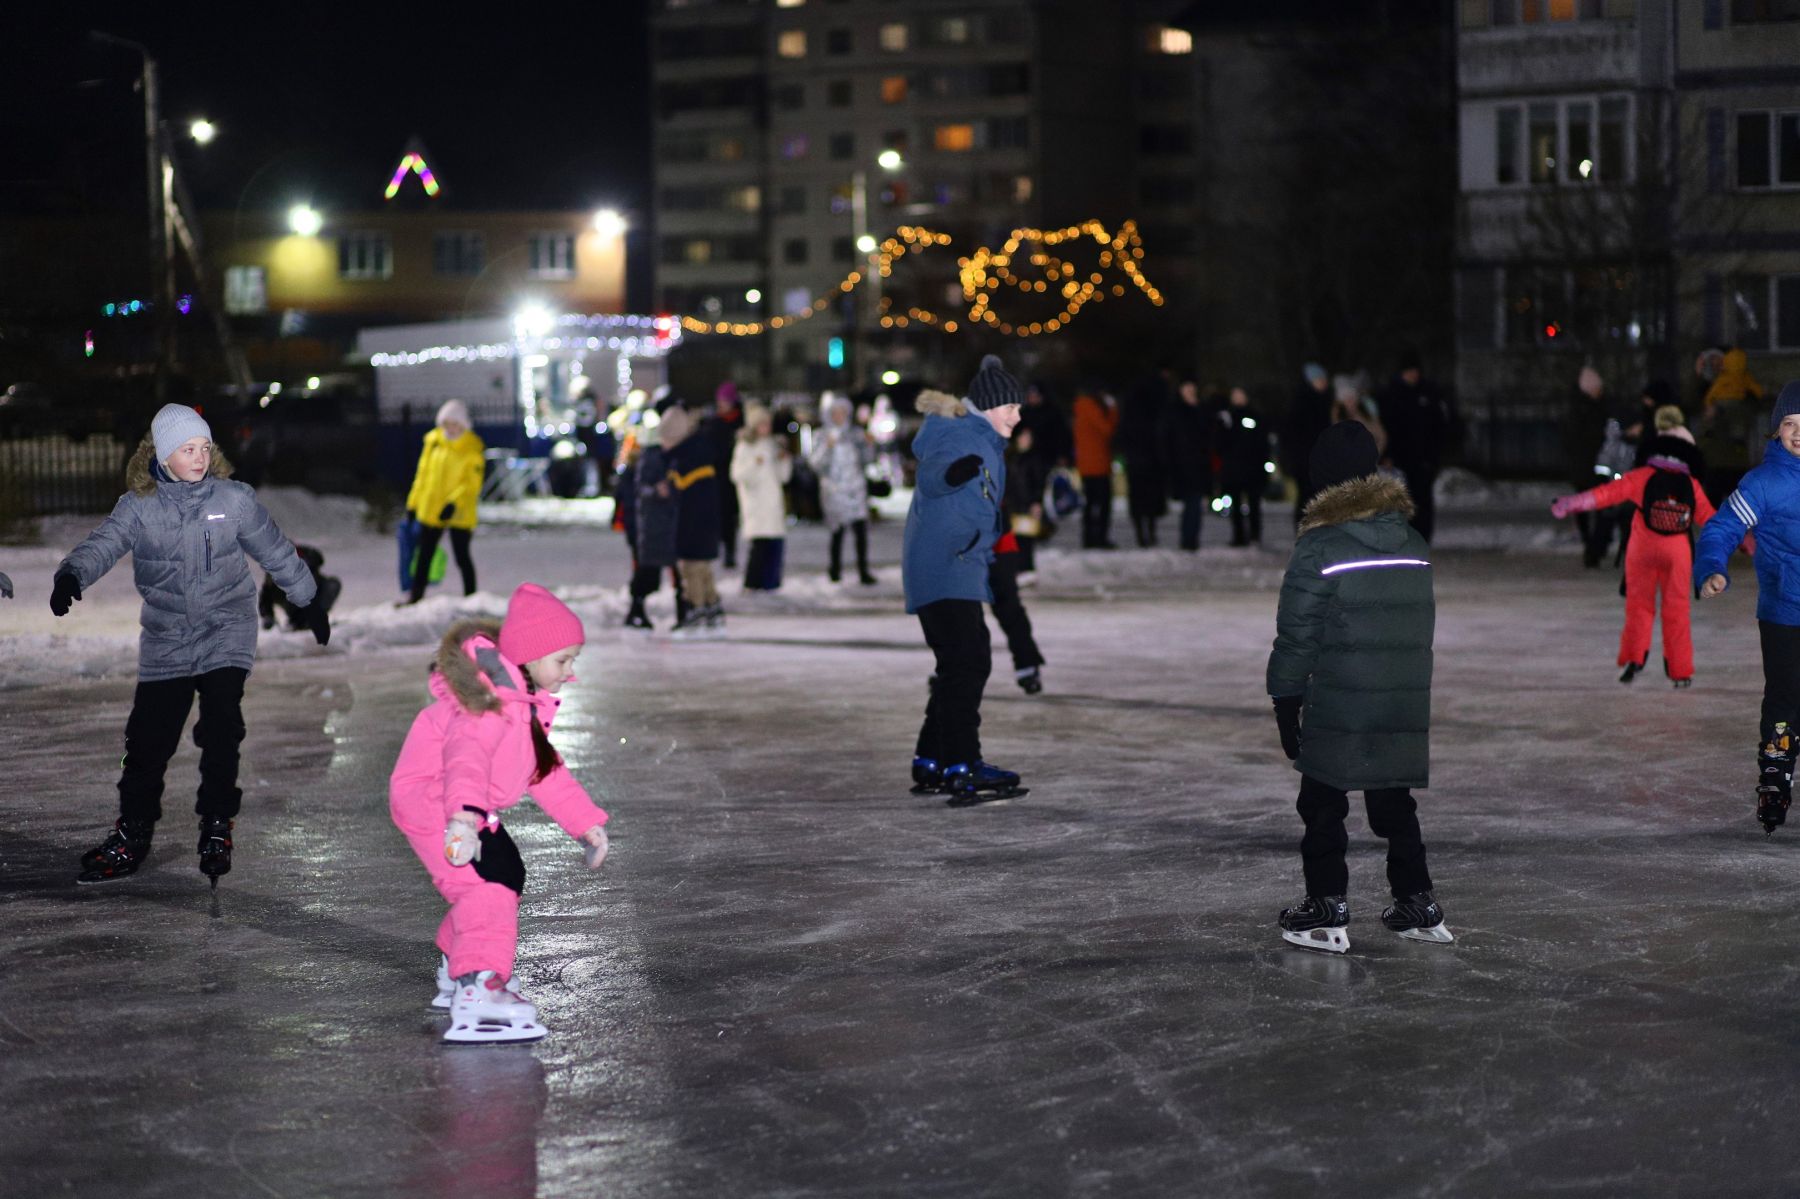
(841, 456)
(760, 469)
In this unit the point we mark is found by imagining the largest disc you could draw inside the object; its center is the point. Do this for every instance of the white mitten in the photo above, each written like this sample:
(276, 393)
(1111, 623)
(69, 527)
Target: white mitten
(462, 840)
(597, 846)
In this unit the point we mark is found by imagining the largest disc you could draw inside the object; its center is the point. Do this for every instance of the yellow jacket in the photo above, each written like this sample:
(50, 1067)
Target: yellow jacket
(449, 472)
(1735, 382)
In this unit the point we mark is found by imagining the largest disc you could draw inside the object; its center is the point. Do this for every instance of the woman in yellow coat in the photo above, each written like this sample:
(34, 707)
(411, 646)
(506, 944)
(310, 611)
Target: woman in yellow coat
(445, 488)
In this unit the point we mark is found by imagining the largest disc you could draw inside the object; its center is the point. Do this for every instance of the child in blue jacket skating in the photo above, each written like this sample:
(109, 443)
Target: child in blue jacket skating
(949, 543)
(1767, 503)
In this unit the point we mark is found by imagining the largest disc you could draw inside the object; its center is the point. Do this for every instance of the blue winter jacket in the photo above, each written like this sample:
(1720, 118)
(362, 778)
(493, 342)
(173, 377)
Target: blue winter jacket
(1766, 502)
(950, 531)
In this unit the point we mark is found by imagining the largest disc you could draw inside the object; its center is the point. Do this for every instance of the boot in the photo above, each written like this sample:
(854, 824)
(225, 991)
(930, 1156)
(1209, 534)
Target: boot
(215, 847)
(120, 855)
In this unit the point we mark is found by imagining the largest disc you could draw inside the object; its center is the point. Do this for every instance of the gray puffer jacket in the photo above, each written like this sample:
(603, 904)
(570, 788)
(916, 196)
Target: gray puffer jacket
(188, 543)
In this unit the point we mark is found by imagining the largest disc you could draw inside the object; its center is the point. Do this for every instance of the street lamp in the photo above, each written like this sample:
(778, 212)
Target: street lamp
(889, 160)
(608, 223)
(305, 220)
(202, 130)
(867, 245)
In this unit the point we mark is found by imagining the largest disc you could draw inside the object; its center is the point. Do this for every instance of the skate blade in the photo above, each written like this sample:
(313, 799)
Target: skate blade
(442, 1002)
(922, 789)
(84, 881)
(1325, 940)
(981, 797)
(1437, 934)
(495, 1034)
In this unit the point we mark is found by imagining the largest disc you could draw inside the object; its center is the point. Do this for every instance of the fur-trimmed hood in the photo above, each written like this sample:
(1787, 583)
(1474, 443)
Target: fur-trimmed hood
(139, 480)
(1357, 499)
(463, 677)
(938, 403)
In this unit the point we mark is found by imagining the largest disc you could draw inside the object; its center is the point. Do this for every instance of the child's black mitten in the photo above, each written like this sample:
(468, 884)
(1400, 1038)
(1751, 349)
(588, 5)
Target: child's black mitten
(1287, 719)
(963, 469)
(66, 588)
(315, 618)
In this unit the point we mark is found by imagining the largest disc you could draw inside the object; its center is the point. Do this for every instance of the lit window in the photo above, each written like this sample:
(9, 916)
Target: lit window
(1021, 189)
(789, 3)
(365, 256)
(552, 256)
(894, 36)
(893, 89)
(1173, 41)
(791, 43)
(951, 31)
(953, 139)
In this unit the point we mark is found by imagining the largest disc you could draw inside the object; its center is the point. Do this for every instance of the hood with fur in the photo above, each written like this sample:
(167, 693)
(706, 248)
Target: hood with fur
(139, 480)
(1358, 499)
(938, 403)
(468, 682)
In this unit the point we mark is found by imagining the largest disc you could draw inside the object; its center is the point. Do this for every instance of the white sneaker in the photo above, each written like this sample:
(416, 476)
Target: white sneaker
(484, 1012)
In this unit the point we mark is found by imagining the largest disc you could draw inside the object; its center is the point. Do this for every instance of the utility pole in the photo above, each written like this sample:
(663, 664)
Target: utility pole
(157, 172)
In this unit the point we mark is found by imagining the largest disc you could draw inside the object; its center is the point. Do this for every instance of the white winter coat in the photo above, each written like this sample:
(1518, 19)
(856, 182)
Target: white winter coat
(760, 470)
(843, 485)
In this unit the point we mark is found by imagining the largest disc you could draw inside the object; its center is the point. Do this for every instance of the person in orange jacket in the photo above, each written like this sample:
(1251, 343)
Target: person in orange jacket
(1671, 506)
(1096, 419)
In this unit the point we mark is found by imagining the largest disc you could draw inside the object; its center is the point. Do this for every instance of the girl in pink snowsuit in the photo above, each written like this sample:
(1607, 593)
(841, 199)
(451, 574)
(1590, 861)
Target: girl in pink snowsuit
(475, 751)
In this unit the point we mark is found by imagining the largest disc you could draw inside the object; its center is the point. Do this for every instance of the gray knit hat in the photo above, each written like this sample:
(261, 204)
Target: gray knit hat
(1786, 404)
(992, 386)
(173, 426)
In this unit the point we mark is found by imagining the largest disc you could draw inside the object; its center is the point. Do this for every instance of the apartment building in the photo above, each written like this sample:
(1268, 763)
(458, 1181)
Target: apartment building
(787, 130)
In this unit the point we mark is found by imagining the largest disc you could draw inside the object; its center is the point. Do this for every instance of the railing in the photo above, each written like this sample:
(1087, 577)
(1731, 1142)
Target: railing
(42, 476)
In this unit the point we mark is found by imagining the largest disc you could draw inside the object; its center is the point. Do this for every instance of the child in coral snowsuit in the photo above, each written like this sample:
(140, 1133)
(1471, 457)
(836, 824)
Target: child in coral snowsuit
(473, 753)
(1658, 560)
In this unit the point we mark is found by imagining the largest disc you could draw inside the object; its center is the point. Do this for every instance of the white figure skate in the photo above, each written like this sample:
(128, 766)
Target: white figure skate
(446, 986)
(481, 1014)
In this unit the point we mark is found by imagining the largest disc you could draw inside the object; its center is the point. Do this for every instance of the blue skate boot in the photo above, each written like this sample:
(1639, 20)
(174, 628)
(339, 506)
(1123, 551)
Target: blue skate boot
(973, 783)
(928, 776)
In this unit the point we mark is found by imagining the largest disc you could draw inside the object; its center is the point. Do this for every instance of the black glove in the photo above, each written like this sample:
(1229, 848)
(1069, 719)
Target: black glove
(412, 518)
(315, 618)
(962, 470)
(446, 513)
(5, 587)
(67, 588)
(1287, 719)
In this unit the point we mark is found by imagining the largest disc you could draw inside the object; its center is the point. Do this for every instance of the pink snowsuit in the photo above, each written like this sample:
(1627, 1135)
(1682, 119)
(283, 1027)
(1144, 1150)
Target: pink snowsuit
(471, 748)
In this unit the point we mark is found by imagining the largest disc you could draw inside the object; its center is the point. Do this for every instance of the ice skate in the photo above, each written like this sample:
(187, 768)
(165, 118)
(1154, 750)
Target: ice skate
(637, 620)
(446, 986)
(1318, 922)
(215, 848)
(120, 855)
(1030, 680)
(1775, 786)
(1418, 918)
(713, 623)
(974, 783)
(484, 1011)
(928, 776)
(691, 627)
(1682, 684)
(1631, 671)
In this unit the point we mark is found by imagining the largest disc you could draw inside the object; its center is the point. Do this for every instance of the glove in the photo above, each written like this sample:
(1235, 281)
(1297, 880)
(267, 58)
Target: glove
(314, 617)
(462, 838)
(5, 587)
(1562, 505)
(1287, 719)
(449, 510)
(962, 470)
(67, 587)
(597, 846)
(412, 518)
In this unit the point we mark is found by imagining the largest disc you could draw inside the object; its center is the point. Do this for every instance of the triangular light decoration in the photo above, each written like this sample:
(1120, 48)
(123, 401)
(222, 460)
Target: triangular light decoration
(412, 162)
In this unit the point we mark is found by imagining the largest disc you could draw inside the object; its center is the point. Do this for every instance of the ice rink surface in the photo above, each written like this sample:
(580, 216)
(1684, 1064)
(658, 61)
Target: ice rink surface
(794, 978)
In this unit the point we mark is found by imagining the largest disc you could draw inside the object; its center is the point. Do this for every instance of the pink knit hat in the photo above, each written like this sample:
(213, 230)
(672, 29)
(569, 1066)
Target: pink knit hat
(537, 624)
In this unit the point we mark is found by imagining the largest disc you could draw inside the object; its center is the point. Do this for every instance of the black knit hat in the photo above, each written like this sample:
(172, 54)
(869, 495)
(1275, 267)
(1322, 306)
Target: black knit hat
(1786, 404)
(992, 386)
(1343, 452)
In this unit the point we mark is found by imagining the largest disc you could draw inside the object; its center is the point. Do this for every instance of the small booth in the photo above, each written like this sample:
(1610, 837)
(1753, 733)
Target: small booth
(538, 385)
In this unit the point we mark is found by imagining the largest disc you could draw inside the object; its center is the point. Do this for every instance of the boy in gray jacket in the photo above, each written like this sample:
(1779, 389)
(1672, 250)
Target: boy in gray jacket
(1350, 675)
(188, 529)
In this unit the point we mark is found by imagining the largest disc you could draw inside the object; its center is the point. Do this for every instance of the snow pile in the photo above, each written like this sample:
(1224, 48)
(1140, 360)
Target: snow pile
(308, 517)
(550, 512)
(1457, 488)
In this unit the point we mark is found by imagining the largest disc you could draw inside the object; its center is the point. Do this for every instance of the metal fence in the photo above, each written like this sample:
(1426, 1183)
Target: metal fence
(43, 476)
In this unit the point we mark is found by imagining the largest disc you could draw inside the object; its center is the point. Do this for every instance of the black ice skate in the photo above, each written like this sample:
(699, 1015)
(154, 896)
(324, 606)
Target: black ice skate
(1418, 918)
(120, 855)
(928, 776)
(1319, 922)
(215, 848)
(1631, 671)
(971, 784)
(1775, 784)
(637, 618)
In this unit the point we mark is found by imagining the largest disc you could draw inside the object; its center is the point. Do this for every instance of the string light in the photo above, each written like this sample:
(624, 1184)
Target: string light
(981, 274)
(414, 162)
(630, 336)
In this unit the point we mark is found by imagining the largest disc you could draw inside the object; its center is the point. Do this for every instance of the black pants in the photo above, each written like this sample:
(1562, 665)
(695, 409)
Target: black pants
(1096, 510)
(957, 633)
(1193, 509)
(1003, 577)
(1419, 480)
(429, 536)
(1781, 677)
(646, 580)
(159, 711)
(1393, 814)
(1246, 518)
(728, 525)
(859, 532)
(762, 568)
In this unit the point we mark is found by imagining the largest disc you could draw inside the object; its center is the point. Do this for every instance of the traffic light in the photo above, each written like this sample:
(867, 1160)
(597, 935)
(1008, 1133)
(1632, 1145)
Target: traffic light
(834, 353)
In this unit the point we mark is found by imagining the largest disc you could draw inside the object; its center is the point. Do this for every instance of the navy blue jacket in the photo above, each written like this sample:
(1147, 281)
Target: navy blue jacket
(950, 531)
(1766, 502)
(696, 483)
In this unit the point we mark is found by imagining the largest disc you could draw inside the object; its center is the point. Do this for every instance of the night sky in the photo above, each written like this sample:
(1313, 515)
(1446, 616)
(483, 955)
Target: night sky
(520, 108)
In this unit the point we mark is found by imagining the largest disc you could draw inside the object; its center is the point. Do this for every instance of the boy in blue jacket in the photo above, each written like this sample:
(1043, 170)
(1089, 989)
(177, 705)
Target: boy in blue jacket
(1767, 502)
(949, 542)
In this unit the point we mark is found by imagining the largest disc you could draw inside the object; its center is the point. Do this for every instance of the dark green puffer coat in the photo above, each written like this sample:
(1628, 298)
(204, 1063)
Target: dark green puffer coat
(1353, 635)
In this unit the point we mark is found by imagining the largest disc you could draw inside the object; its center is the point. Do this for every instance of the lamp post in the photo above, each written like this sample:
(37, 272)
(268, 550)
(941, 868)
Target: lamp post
(162, 263)
(869, 246)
